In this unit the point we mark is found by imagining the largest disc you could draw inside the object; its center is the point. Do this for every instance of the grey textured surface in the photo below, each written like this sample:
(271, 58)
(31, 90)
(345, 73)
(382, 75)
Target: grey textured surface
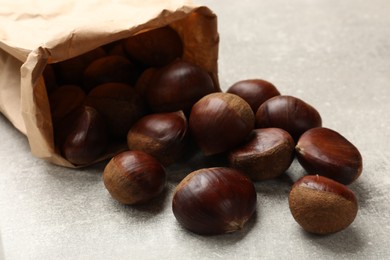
(333, 54)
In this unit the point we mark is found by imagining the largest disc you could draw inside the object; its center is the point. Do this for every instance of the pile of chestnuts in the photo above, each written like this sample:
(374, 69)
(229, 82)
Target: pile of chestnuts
(162, 106)
(95, 98)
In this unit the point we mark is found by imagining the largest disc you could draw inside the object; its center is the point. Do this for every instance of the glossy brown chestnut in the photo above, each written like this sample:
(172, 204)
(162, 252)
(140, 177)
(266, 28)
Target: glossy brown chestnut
(161, 135)
(120, 106)
(220, 122)
(321, 205)
(289, 113)
(109, 69)
(64, 100)
(326, 152)
(87, 138)
(156, 47)
(134, 177)
(214, 201)
(71, 71)
(178, 86)
(268, 154)
(254, 91)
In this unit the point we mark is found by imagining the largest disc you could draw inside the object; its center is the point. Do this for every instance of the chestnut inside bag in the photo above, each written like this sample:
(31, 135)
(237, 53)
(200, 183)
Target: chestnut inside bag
(36, 33)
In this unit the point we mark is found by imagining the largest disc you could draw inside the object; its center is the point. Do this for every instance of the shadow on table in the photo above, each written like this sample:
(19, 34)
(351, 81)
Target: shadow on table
(142, 212)
(222, 240)
(349, 240)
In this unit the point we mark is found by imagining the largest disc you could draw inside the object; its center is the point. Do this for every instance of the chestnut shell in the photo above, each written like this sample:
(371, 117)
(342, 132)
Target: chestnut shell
(86, 138)
(325, 152)
(321, 205)
(254, 91)
(156, 47)
(289, 113)
(214, 201)
(220, 122)
(162, 135)
(134, 177)
(268, 154)
(178, 86)
(120, 106)
(110, 69)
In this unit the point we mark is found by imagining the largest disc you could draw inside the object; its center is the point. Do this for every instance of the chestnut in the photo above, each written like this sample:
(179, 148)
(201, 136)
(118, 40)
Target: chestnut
(220, 122)
(144, 81)
(321, 205)
(120, 106)
(326, 152)
(71, 71)
(64, 100)
(134, 177)
(268, 154)
(155, 48)
(87, 138)
(254, 91)
(289, 113)
(178, 86)
(161, 135)
(109, 69)
(214, 201)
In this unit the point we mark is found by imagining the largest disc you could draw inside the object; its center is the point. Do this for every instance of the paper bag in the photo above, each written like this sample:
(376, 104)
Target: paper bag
(36, 33)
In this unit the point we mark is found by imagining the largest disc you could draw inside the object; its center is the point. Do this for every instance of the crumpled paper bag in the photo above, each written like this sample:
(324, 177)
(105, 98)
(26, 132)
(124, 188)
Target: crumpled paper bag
(36, 33)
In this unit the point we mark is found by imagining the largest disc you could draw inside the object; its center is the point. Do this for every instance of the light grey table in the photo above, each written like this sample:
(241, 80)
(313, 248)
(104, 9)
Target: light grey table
(333, 54)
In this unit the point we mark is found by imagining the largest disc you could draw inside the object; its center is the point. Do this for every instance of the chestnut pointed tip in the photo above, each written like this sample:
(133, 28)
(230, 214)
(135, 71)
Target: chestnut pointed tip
(235, 225)
(299, 149)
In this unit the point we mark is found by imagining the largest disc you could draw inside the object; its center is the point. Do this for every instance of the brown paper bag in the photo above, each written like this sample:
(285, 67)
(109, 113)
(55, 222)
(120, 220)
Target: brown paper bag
(36, 33)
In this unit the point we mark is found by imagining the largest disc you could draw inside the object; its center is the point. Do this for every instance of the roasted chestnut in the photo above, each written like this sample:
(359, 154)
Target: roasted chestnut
(178, 86)
(321, 205)
(254, 91)
(110, 69)
(289, 113)
(214, 201)
(156, 47)
(120, 106)
(87, 137)
(220, 122)
(134, 177)
(268, 154)
(325, 152)
(161, 135)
